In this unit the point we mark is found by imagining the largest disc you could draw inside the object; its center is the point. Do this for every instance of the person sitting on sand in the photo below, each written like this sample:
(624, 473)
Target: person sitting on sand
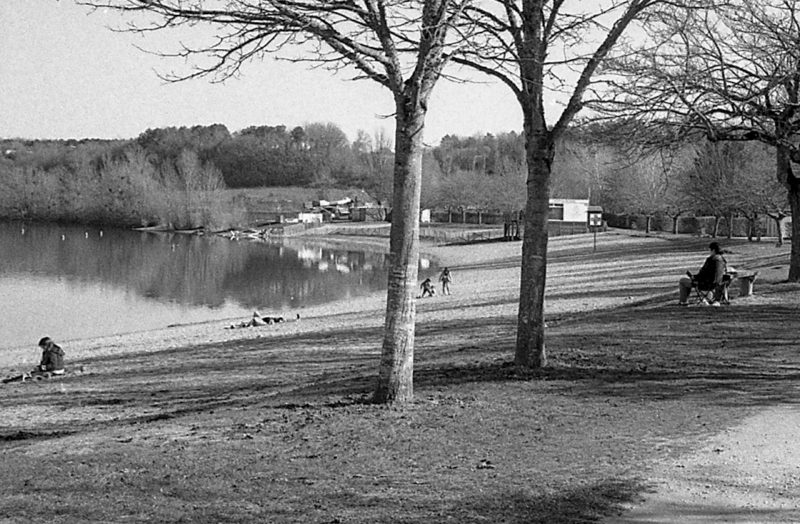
(52, 358)
(427, 288)
(51, 364)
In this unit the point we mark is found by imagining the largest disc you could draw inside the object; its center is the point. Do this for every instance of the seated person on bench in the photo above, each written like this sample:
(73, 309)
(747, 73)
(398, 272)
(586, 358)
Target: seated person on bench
(710, 277)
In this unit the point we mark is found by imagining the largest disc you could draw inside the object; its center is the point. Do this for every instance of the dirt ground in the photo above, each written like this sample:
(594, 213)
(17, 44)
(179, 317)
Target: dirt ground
(748, 473)
(648, 412)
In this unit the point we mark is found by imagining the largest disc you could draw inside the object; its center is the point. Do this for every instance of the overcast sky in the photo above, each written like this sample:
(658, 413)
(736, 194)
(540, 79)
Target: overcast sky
(64, 74)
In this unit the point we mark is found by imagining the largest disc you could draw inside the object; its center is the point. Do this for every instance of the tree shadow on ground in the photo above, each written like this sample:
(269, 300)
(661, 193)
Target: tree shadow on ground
(744, 356)
(686, 512)
(583, 504)
(516, 505)
(144, 386)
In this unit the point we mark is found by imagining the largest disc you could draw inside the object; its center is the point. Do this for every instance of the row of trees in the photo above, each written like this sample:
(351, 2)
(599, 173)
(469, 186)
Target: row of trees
(481, 171)
(698, 177)
(716, 179)
(118, 187)
(318, 154)
(536, 48)
(488, 172)
(729, 72)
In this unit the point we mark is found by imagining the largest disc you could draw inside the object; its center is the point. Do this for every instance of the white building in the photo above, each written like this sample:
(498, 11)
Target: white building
(569, 210)
(568, 216)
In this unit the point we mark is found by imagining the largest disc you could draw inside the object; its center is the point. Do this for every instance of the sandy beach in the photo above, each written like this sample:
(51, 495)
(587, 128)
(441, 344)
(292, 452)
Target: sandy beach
(484, 272)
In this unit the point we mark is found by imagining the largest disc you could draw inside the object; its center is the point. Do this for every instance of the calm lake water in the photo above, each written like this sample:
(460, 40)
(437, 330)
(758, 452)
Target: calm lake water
(71, 282)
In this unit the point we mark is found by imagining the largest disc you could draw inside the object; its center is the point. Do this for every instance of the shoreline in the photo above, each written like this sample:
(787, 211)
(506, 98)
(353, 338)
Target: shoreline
(371, 307)
(483, 272)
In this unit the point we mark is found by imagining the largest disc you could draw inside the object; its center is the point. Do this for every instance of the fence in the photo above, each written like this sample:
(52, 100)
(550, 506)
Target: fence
(468, 217)
(701, 226)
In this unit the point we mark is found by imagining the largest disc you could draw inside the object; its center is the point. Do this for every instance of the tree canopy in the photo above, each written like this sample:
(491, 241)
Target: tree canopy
(729, 72)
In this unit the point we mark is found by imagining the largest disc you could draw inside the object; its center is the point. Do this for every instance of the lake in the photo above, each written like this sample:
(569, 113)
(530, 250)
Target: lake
(69, 282)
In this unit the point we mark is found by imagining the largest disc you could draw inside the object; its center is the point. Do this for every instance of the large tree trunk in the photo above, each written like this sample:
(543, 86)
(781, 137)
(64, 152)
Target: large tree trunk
(794, 203)
(675, 223)
(395, 377)
(778, 218)
(717, 220)
(530, 350)
(729, 218)
(788, 178)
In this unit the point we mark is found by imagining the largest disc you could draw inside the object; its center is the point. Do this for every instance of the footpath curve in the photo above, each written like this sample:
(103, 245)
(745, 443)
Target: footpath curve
(749, 473)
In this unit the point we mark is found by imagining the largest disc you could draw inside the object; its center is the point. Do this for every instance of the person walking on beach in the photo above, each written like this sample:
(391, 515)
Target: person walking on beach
(446, 277)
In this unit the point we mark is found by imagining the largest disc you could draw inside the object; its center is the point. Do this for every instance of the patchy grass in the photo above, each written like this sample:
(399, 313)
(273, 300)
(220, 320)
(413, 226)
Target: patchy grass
(279, 429)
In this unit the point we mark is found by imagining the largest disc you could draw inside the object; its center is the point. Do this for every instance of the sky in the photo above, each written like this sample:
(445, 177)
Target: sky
(65, 74)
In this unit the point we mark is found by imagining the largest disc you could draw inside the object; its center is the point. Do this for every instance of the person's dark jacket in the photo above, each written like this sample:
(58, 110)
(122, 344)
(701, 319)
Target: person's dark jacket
(712, 272)
(52, 358)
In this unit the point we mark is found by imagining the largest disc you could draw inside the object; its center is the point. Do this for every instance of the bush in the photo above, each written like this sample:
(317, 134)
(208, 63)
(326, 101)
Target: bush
(120, 189)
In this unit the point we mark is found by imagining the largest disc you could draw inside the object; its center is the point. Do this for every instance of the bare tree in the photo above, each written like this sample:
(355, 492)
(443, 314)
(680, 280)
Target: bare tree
(647, 187)
(508, 188)
(401, 45)
(729, 73)
(580, 167)
(543, 48)
(676, 200)
(757, 191)
(712, 182)
(375, 161)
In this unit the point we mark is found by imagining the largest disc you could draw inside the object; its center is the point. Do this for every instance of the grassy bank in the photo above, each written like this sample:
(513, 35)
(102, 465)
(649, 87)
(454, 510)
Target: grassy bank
(203, 424)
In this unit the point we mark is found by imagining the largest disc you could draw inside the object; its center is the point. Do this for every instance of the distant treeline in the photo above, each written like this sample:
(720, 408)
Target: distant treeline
(171, 175)
(112, 183)
(259, 156)
(174, 175)
(161, 175)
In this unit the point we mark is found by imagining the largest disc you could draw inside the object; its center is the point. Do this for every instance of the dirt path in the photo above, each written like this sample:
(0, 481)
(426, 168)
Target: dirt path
(749, 473)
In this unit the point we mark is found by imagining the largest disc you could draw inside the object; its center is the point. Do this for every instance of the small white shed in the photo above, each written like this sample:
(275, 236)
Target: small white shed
(570, 210)
(310, 218)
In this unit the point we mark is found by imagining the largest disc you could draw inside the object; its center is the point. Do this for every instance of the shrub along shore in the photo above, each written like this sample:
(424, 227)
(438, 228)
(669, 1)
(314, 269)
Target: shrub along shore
(121, 190)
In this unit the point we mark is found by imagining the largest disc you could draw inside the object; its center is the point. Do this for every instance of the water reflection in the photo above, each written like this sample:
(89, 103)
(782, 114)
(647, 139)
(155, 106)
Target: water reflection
(189, 269)
(142, 269)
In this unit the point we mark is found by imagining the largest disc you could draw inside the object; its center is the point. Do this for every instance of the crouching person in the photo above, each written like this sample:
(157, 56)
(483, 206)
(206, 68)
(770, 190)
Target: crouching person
(52, 359)
(52, 363)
